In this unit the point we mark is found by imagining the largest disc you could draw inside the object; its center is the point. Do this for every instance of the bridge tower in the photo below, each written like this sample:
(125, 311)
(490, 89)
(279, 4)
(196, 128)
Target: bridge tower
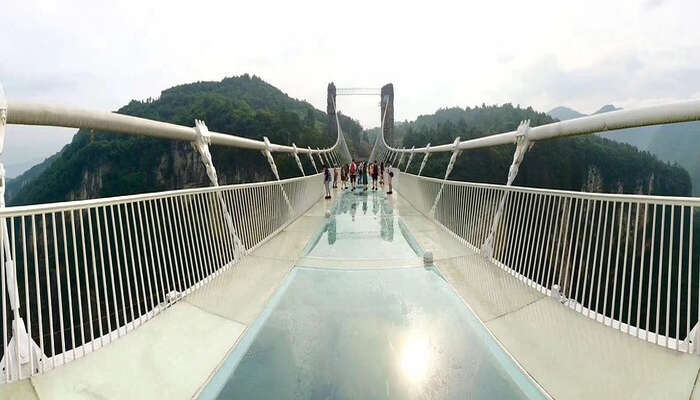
(387, 107)
(330, 110)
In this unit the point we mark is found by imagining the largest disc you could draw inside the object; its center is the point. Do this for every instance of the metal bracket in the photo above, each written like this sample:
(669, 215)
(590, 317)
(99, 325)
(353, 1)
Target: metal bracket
(410, 158)
(398, 166)
(311, 157)
(425, 159)
(201, 145)
(320, 157)
(296, 157)
(522, 145)
(329, 163)
(268, 154)
(455, 153)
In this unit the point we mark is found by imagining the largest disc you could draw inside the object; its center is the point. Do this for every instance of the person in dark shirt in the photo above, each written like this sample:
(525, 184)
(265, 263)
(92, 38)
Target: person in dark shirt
(327, 181)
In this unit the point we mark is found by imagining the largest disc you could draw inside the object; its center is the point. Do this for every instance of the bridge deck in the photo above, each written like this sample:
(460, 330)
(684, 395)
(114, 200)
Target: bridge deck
(173, 355)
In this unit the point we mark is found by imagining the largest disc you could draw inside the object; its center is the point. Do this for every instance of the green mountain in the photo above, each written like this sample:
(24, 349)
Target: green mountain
(110, 164)
(675, 143)
(588, 163)
(14, 185)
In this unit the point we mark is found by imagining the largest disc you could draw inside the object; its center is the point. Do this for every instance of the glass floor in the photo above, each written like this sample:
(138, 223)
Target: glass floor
(363, 225)
(397, 333)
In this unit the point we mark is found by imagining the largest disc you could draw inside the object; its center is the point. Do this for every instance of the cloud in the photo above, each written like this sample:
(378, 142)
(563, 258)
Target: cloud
(651, 4)
(626, 79)
(583, 54)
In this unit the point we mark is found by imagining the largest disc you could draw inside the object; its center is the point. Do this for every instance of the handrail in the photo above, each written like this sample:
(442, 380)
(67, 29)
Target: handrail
(686, 111)
(51, 115)
(98, 269)
(34, 209)
(626, 261)
(668, 200)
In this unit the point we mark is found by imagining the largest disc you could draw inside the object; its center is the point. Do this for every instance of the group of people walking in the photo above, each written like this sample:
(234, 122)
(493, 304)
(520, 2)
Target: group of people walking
(358, 173)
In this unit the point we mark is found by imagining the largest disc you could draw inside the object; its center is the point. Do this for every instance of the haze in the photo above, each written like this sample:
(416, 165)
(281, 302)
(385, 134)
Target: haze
(437, 54)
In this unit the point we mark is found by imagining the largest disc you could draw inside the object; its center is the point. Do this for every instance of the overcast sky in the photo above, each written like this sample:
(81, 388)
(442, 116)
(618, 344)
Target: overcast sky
(580, 54)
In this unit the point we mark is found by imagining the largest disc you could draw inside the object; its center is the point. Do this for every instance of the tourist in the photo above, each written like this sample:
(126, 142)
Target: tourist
(335, 177)
(363, 174)
(374, 172)
(327, 181)
(353, 174)
(381, 174)
(389, 177)
(344, 177)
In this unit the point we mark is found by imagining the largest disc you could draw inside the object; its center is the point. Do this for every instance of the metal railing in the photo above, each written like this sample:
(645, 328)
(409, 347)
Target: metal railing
(91, 271)
(77, 275)
(685, 111)
(629, 262)
(53, 115)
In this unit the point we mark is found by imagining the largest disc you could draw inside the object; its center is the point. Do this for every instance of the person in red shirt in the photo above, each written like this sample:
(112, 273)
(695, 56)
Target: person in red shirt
(353, 174)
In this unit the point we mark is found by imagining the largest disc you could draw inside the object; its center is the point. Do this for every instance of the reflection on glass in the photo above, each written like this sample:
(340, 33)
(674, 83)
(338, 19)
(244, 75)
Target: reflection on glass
(369, 234)
(370, 334)
(416, 357)
(330, 229)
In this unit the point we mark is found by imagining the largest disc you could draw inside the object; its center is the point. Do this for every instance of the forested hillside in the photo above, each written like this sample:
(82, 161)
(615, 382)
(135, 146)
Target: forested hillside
(587, 163)
(675, 143)
(108, 164)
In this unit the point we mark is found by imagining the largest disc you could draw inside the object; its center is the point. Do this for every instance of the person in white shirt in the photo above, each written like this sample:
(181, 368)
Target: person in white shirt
(389, 178)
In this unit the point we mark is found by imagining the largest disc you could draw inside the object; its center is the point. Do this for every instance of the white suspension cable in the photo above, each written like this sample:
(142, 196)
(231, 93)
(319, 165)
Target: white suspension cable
(341, 136)
(296, 158)
(379, 143)
(450, 166)
(398, 166)
(311, 157)
(686, 111)
(425, 160)
(271, 161)
(201, 146)
(410, 158)
(523, 144)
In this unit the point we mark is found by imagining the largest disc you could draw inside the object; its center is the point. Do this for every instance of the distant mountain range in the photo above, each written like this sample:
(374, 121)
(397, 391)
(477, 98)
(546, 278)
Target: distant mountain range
(674, 143)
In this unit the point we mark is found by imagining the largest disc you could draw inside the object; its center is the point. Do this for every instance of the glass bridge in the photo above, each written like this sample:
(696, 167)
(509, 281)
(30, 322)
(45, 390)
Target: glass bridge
(444, 289)
(368, 333)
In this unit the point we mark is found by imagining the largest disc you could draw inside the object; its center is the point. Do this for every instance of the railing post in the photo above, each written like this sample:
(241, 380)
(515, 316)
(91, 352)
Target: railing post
(201, 146)
(268, 154)
(311, 157)
(425, 159)
(398, 166)
(21, 348)
(455, 153)
(522, 145)
(410, 158)
(321, 158)
(296, 157)
(694, 337)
